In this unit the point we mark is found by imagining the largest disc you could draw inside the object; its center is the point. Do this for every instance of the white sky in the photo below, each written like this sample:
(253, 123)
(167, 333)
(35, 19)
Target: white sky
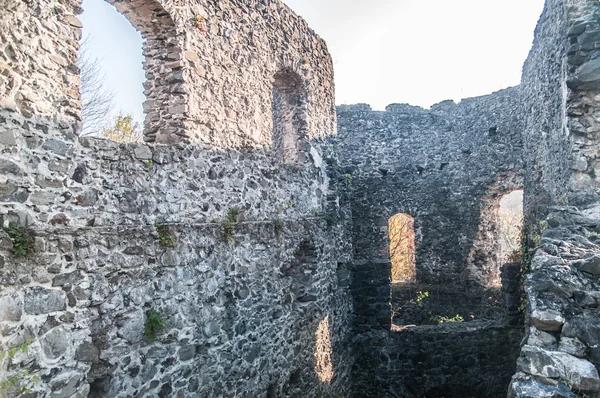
(384, 51)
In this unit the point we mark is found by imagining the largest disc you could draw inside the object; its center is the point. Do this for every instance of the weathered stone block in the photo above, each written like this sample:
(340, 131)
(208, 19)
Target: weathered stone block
(579, 373)
(87, 352)
(55, 343)
(547, 320)
(11, 308)
(143, 152)
(39, 300)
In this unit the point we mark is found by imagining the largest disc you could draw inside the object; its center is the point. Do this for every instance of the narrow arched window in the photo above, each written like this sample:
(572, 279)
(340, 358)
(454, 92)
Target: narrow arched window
(401, 229)
(289, 117)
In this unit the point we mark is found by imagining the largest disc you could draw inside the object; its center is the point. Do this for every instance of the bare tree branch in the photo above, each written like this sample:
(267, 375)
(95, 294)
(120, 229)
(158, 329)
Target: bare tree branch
(97, 99)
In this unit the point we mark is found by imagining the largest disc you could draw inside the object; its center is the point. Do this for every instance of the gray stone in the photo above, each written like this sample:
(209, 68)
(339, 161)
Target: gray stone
(171, 259)
(7, 138)
(87, 352)
(39, 300)
(88, 198)
(70, 278)
(540, 338)
(55, 343)
(70, 389)
(547, 320)
(60, 166)
(143, 152)
(132, 326)
(531, 388)
(590, 72)
(56, 146)
(585, 329)
(187, 352)
(579, 373)
(6, 191)
(572, 346)
(590, 265)
(43, 198)
(8, 167)
(11, 308)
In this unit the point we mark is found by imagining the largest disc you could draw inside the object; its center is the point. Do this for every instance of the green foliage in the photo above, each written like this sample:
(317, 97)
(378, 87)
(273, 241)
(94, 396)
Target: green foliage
(348, 180)
(124, 130)
(21, 382)
(230, 223)
(417, 300)
(149, 164)
(22, 239)
(421, 295)
(24, 347)
(154, 324)
(536, 234)
(444, 319)
(165, 235)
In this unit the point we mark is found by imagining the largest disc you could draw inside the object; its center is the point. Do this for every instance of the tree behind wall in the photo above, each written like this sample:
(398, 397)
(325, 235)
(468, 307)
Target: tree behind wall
(124, 130)
(96, 97)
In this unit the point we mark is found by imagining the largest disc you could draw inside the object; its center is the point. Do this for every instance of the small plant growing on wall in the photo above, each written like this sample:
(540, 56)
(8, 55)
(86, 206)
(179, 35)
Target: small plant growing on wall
(22, 239)
(348, 180)
(165, 235)
(229, 223)
(439, 319)
(154, 324)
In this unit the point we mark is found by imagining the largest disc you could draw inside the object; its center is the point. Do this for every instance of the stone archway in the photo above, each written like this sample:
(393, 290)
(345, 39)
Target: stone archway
(166, 100)
(484, 261)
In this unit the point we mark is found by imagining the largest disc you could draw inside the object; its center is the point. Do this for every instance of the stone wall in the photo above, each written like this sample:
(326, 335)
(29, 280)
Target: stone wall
(447, 167)
(242, 254)
(436, 166)
(210, 67)
(560, 356)
(438, 361)
(560, 86)
(242, 303)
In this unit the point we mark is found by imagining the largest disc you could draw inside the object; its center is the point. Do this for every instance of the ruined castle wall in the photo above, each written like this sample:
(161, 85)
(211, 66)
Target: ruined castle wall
(436, 166)
(242, 305)
(447, 167)
(560, 89)
(548, 154)
(449, 360)
(210, 67)
(560, 85)
(246, 45)
(254, 306)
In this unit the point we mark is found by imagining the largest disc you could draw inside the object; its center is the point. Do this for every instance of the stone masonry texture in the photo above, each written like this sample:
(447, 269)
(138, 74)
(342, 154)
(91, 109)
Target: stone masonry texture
(242, 250)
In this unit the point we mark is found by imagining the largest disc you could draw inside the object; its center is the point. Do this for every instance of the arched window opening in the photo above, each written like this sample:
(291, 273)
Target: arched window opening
(510, 225)
(498, 238)
(289, 117)
(129, 75)
(401, 229)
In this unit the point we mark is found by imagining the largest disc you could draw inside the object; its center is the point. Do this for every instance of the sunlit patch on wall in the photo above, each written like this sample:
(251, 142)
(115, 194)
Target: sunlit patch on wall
(323, 351)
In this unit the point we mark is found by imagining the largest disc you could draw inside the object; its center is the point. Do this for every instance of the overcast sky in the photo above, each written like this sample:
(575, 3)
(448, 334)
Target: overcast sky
(384, 51)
